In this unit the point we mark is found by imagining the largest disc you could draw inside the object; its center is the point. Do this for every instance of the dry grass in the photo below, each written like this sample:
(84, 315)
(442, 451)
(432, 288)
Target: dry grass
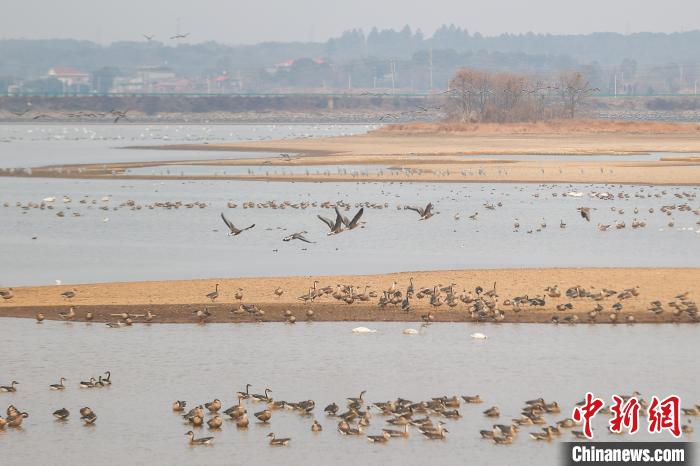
(548, 127)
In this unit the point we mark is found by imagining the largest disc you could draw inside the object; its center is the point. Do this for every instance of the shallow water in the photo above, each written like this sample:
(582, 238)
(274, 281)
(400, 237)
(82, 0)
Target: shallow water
(584, 158)
(23, 145)
(192, 243)
(154, 365)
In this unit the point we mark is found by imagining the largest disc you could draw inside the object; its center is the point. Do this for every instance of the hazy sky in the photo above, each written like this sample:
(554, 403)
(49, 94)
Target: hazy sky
(236, 21)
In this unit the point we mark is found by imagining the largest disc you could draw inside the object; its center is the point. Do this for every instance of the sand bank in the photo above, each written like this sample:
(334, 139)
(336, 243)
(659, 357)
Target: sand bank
(175, 301)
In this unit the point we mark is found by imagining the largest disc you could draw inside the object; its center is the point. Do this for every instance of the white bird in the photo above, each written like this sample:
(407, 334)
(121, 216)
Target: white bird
(478, 336)
(363, 330)
(410, 331)
(49, 199)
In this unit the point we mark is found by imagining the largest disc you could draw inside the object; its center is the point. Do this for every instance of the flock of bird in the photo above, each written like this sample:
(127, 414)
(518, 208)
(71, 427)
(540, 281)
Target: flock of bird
(427, 418)
(573, 305)
(14, 416)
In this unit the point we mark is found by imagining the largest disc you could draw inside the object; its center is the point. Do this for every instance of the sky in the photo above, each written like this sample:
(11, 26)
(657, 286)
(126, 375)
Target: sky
(247, 22)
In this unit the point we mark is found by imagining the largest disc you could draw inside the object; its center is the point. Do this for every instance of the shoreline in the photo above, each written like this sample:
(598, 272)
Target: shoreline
(175, 301)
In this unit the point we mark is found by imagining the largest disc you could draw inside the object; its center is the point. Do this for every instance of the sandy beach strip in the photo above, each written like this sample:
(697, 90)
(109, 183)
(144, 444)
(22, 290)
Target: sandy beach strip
(175, 301)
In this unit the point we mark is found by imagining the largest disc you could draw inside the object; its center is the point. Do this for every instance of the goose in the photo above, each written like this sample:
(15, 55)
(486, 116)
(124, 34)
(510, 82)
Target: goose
(493, 411)
(264, 416)
(180, 35)
(89, 384)
(472, 399)
(383, 438)
(242, 422)
(585, 213)
(59, 385)
(179, 406)
(437, 435)
(89, 418)
(214, 406)
(150, 316)
(215, 422)
(40, 317)
(239, 294)
(233, 231)
(351, 224)
(316, 427)
(478, 336)
(214, 294)
(335, 227)
(266, 397)
(505, 440)
(562, 225)
(68, 294)
(100, 383)
(279, 291)
(61, 414)
(331, 409)
(278, 441)
(359, 400)
(579, 435)
(16, 419)
(244, 395)
(107, 380)
(300, 236)
(85, 411)
(687, 428)
(546, 435)
(70, 315)
(199, 441)
(9, 388)
(117, 324)
(424, 212)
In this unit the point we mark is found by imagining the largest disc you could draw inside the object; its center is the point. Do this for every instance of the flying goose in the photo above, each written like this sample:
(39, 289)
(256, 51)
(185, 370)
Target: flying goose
(179, 35)
(585, 213)
(350, 224)
(335, 227)
(299, 236)
(233, 231)
(424, 212)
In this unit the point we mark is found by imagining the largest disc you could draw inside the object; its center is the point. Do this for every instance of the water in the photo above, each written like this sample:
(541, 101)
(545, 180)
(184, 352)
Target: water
(23, 145)
(223, 170)
(192, 243)
(154, 365)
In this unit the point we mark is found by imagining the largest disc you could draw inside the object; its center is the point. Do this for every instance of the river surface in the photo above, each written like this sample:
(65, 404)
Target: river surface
(103, 239)
(154, 365)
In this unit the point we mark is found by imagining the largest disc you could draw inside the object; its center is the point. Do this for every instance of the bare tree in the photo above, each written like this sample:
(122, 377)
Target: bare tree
(573, 88)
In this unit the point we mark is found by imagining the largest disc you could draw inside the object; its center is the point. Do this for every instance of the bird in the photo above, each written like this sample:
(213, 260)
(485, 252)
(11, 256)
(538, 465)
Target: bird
(180, 35)
(424, 212)
(351, 224)
(585, 213)
(179, 406)
(233, 231)
(299, 236)
(68, 294)
(70, 315)
(89, 418)
(316, 427)
(383, 438)
(278, 441)
(59, 385)
(335, 227)
(244, 395)
(61, 414)
(214, 294)
(9, 388)
(149, 37)
(264, 416)
(199, 441)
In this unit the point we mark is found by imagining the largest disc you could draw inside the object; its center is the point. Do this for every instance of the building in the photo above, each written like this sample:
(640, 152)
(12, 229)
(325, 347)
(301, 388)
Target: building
(70, 77)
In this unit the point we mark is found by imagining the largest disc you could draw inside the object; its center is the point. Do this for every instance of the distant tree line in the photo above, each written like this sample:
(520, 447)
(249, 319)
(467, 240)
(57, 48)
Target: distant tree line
(477, 95)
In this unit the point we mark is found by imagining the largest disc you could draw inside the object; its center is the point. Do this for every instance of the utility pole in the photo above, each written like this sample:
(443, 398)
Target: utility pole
(393, 77)
(615, 85)
(349, 81)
